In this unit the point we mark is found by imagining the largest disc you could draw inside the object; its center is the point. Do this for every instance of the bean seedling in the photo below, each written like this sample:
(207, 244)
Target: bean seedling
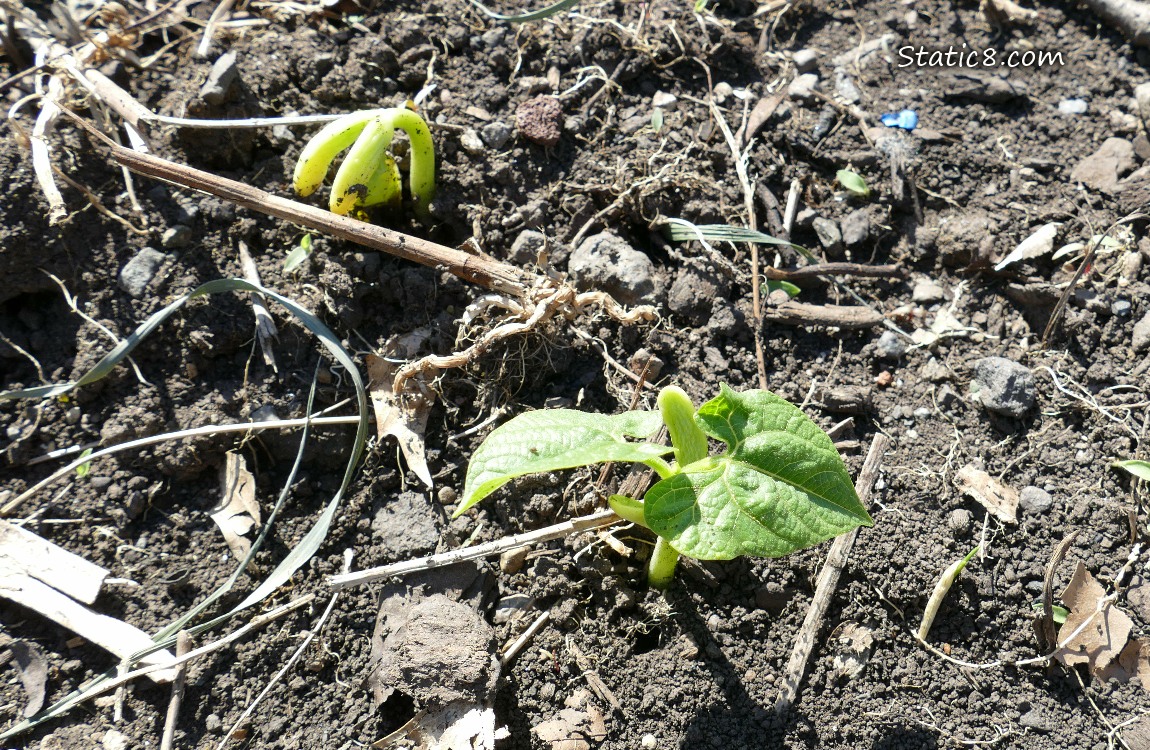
(369, 175)
(778, 487)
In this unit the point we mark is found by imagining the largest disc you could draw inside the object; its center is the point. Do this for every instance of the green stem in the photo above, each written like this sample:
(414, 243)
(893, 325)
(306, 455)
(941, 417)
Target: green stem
(627, 508)
(661, 568)
(661, 467)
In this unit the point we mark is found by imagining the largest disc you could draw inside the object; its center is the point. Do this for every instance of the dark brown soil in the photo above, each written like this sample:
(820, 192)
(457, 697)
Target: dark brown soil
(700, 665)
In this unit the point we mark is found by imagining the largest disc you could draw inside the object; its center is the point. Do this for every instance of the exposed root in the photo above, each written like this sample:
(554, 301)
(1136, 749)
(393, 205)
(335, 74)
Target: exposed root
(545, 303)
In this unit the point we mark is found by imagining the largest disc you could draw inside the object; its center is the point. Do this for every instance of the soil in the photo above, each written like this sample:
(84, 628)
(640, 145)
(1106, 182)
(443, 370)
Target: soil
(699, 665)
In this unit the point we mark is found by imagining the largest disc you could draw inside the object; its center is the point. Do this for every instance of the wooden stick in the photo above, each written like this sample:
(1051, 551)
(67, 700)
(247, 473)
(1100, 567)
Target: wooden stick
(499, 546)
(825, 588)
(832, 269)
(478, 269)
(839, 316)
(183, 646)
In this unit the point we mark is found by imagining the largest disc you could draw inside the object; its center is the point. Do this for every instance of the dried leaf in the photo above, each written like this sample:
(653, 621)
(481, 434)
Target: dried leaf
(1000, 500)
(1104, 638)
(855, 644)
(33, 669)
(457, 726)
(238, 512)
(403, 417)
(1041, 242)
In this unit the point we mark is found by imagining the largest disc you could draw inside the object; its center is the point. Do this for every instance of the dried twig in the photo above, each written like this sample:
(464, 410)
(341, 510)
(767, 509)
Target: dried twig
(833, 269)
(265, 326)
(838, 316)
(825, 588)
(497, 547)
(183, 646)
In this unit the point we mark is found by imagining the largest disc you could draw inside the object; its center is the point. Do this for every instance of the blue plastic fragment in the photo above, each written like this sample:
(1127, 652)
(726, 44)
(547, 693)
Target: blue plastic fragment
(907, 119)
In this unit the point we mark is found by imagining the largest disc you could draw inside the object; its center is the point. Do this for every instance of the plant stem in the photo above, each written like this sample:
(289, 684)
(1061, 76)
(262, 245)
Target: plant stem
(661, 568)
(690, 444)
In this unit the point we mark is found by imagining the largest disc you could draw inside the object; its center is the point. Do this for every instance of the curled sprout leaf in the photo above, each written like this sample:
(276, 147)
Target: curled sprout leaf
(853, 183)
(945, 581)
(369, 175)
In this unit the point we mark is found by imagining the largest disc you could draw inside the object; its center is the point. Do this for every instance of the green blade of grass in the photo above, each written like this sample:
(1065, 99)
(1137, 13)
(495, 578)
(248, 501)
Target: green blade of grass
(534, 15)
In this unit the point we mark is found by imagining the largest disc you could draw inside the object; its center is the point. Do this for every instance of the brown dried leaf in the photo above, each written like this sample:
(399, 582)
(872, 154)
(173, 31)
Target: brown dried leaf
(238, 512)
(1103, 639)
(403, 417)
(1000, 500)
(33, 669)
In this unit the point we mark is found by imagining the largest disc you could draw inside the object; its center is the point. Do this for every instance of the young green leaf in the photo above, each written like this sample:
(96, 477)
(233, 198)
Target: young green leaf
(853, 183)
(779, 487)
(791, 290)
(85, 468)
(1140, 469)
(554, 439)
(298, 254)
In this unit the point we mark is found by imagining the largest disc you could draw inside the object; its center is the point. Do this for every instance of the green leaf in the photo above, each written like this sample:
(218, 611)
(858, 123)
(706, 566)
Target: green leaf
(83, 469)
(1140, 469)
(657, 120)
(786, 286)
(298, 254)
(554, 439)
(853, 183)
(1059, 614)
(678, 230)
(779, 487)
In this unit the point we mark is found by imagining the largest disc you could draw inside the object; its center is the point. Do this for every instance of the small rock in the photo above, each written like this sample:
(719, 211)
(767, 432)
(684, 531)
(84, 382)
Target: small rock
(471, 142)
(648, 742)
(406, 526)
(72, 416)
(1142, 99)
(828, 233)
(176, 237)
(213, 723)
(1035, 719)
(664, 100)
(695, 289)
(606, 262)
(220, 79)
(534, 84)
(495, 135)
(723, 91)
(114, 740)
(890, 346)
(1004, 386)
(1072, 106)
(539, 120)
(643, 361)
(846, 88)
(1102, 169)
(927, 292)
(511, 561)
(1140, 341)
(803, 87)
(1034, 500)
(855, 227)
(140, 270)
(1120, 307)
(805, 60)
(959, 521)
(525, 249)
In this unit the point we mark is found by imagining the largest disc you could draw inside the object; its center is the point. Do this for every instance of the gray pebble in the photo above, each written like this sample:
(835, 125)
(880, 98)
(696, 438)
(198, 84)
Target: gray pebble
(828, 233)
(1072, 106)
(140, 270)
(495, 135)
(890, 345)
(959, 521)
(1140, 341)
(607, 263)
(471, 142)
(803, 87)
(1120, 307)
(176, 237)
(927, 291)
(805, 60)
(1004, 386)
(1034, 500)
(223, 75)
(856, 227)
(525, 249)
